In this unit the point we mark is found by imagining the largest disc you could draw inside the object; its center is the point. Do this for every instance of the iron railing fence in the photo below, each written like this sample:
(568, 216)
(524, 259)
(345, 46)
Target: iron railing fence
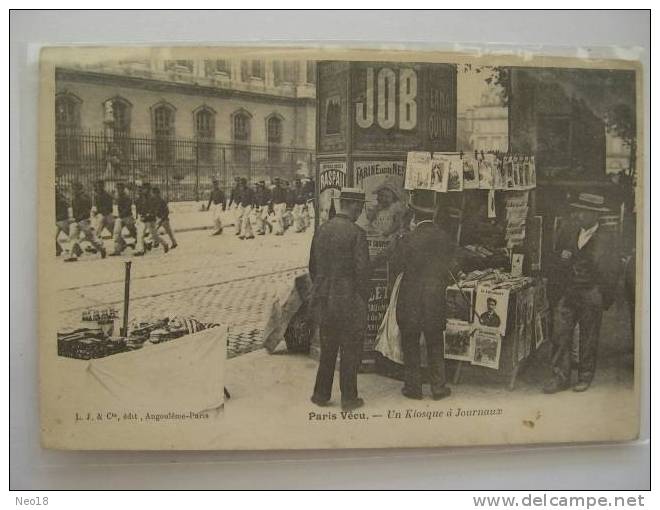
(182, 168)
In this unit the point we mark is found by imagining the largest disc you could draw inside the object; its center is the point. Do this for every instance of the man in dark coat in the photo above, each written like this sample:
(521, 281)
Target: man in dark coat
(81, 205)
(425, 256)
(585, 272)
(104, 214)
(217, 205)
(339, 268)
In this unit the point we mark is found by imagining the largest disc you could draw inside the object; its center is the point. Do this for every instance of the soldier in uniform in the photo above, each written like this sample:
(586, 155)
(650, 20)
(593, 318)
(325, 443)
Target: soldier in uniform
(585, 274)
(299, 200)
(124, 219)
(82, 208)
(261, 201)
(145, 209)
(61, 218)
(278, 199)
(339, 268)
(217, 206)
(162, 211)
(235, 204)
(425, 256)
(104, 214)
(246, 203)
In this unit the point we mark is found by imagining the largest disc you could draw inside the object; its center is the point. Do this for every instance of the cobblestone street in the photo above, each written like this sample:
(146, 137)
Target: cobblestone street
(214, 279)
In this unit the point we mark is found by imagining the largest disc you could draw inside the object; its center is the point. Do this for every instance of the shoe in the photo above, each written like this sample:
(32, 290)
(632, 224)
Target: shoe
(261, 234)
(440, 393)
(71, 259)
(139, 254)
(166, 248)
(554, 386)
(350, 405)
(415, 395)
(241, 237)
(251, 237)
(114, 253)
(582, 386)
(173, 246)
(320, 401)
(103, 253)
(216, 233)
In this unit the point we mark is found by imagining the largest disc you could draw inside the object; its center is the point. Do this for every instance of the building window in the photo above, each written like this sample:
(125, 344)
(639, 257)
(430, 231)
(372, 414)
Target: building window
(274, 138)
(285, 71)
(311, 71)
(252, 69)
(214, 67)
(118, 115)
(241, 137)
(257, 69)
(163, 130)
(67, 113)
(205, 133)
(67, 127)
(179, 66)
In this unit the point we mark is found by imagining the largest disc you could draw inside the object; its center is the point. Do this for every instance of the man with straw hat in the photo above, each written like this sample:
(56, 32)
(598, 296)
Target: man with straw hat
(586, 273)
(339, 268)
(425, 257)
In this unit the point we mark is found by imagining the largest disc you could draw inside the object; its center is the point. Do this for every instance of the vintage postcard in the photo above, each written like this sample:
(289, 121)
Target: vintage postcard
(269, 248)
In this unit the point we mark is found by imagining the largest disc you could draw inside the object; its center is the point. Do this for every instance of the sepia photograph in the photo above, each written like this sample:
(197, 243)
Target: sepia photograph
(230, 235)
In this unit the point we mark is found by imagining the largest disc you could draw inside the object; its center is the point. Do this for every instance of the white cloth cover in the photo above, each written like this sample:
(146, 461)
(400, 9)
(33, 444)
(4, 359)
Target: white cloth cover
(185, 374)
(388, 340)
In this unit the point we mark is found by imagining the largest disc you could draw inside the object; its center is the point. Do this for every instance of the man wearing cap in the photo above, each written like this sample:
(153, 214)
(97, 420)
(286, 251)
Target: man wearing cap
(103, 204)
(299, 200)
(339, 268)
(278, 200)
(81, 205)
(61, 218)
(234, 204)
(425, 256)
(245, 204)
(162, 212)
(585, 274)
(124, 219)
(217, 206)
(145, 207)
(261, 201)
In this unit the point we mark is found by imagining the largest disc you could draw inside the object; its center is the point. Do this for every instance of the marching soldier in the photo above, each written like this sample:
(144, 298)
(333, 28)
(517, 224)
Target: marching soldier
(124, 219)
(261, 201)
(103, 204)
(144, 207)
(278, 199)
(246, 202)
(339, 268)
(162, 212)
(82, 208)
(299, 200)
(586, 275)
(425, 257)
(235, 204)
(217, 206)
(61, 218)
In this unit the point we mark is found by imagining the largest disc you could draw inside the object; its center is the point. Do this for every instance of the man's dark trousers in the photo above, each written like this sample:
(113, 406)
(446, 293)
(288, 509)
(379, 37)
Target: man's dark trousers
(583, 307)
(349, 345)
(410, 343)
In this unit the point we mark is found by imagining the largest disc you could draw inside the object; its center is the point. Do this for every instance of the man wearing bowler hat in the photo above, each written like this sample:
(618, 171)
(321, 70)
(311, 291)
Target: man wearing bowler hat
(339, 268)
(585, 272)
(425, 257)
